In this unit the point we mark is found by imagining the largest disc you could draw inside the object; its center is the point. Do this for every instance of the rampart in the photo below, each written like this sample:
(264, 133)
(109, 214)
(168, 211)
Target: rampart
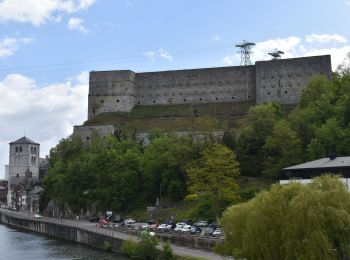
(275, 80)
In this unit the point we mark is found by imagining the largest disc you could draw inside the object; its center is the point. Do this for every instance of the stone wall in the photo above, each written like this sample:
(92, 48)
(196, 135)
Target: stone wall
(283, 81)
(274, 80)
(87, 132)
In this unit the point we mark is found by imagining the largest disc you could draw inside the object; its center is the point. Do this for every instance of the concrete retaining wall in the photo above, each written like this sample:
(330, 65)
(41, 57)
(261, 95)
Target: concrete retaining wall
(63, 229)
(95, 236)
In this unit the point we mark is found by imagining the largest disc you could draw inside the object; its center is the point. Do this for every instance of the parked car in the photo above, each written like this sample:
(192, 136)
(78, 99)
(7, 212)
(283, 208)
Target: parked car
(179, 227)
(209, 231)
(186, 229)
(217, 233)
(213, 225)
(94, 219)
(145, 226)
(196, 230)
(164, 227)
(129, 221)
(37, 216)
(118, 221)
(201, 223)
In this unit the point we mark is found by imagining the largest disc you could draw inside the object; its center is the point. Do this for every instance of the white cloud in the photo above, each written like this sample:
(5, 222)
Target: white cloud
(77, 24)
(293, 46)
(8, 45)
(325, 38)
(216, 38)
(38, 12)
(163, 54)
(45, 113)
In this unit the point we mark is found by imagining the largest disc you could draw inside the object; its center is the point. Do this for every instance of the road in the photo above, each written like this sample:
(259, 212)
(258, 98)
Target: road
(85, 225)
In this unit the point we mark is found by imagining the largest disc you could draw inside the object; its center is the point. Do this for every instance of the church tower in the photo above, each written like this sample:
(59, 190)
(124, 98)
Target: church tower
(23, 164)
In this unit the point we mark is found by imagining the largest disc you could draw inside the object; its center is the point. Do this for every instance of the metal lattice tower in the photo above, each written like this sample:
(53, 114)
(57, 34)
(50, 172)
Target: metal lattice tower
(245, 50)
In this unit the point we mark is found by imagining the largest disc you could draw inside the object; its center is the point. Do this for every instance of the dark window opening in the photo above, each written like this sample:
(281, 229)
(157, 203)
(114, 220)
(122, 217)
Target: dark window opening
(268, 93)
(200, 99)
(138, 102)
(117, 100)
(185, 99)
(216, 98)
(102, 101)
(154, 101)
(233, 97)
(248, 96)
(286, 92)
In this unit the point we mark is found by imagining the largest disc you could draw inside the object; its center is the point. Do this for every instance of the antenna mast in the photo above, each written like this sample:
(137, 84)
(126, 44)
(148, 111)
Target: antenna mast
(245, 50)
(276, 54)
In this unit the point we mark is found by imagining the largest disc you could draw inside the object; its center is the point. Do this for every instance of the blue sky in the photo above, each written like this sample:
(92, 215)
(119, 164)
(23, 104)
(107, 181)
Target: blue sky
(47, 48)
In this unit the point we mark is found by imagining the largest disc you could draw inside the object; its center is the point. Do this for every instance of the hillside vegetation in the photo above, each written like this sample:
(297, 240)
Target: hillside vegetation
(118, 173)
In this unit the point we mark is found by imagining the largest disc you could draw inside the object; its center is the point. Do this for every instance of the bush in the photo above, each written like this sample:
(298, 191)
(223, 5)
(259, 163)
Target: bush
(107, 246)
(167, 253)
(313, 221)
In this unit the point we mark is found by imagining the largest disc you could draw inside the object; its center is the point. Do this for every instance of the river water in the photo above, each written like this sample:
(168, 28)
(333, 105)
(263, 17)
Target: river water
(19, 245)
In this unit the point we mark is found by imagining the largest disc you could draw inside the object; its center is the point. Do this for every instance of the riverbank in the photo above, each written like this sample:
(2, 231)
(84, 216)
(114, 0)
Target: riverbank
(83, 232)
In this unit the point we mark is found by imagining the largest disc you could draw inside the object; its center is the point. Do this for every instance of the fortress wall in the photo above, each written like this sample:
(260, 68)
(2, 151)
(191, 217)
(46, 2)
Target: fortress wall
(283, 80)
(111, 91)
(195, 86)
(87, 132)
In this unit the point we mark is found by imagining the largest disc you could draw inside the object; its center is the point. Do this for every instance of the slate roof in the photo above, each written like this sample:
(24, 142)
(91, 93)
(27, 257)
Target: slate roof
(322, 163)
(24, 140)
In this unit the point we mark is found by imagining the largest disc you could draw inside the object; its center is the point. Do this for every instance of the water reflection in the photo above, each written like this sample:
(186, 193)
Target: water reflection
(19, 245)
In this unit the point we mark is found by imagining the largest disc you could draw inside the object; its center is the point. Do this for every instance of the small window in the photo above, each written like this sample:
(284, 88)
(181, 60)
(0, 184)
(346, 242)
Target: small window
(32, 149)
(20, 149)
(87, 138)
(154, 101)
(233, 97)
(216, 98)
(138, 102)
(268, 93)
(16, 149)
(17, 175)
(102, 101)
(200, 99)
(185, 100)
(118, 100)
(248, 97)
(286, 92)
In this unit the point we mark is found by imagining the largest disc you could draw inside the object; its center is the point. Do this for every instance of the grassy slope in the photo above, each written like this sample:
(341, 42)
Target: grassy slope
(212, 116)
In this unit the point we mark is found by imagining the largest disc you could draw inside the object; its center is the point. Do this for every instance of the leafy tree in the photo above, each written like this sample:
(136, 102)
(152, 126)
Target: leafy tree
(163, 163)
(282, 148)
(292, 221)
(252, 134)
(213, 175)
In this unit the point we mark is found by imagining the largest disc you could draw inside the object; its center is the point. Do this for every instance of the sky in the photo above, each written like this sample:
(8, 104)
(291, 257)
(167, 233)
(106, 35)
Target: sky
(48, 47)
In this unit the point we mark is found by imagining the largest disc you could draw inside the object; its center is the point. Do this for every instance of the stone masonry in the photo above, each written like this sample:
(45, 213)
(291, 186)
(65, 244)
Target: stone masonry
(281, 81)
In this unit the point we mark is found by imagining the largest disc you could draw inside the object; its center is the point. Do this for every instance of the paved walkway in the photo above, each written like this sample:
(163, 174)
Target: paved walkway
(84, 225)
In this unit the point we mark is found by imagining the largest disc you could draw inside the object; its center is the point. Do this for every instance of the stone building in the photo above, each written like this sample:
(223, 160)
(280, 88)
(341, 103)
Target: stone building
(274, 80)
(281, 81)
(23, 172)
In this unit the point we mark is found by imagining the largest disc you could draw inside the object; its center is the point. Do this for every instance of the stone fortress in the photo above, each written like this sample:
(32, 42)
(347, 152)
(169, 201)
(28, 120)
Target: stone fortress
(281, 81)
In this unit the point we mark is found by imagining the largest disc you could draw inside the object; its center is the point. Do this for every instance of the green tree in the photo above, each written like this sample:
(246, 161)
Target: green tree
(213, 176)
(282, 149)
(292, 221)
(252, 134)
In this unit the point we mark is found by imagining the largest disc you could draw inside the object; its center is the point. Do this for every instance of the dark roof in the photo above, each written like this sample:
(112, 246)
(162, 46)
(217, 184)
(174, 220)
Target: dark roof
(24, 140)
(322, 163)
